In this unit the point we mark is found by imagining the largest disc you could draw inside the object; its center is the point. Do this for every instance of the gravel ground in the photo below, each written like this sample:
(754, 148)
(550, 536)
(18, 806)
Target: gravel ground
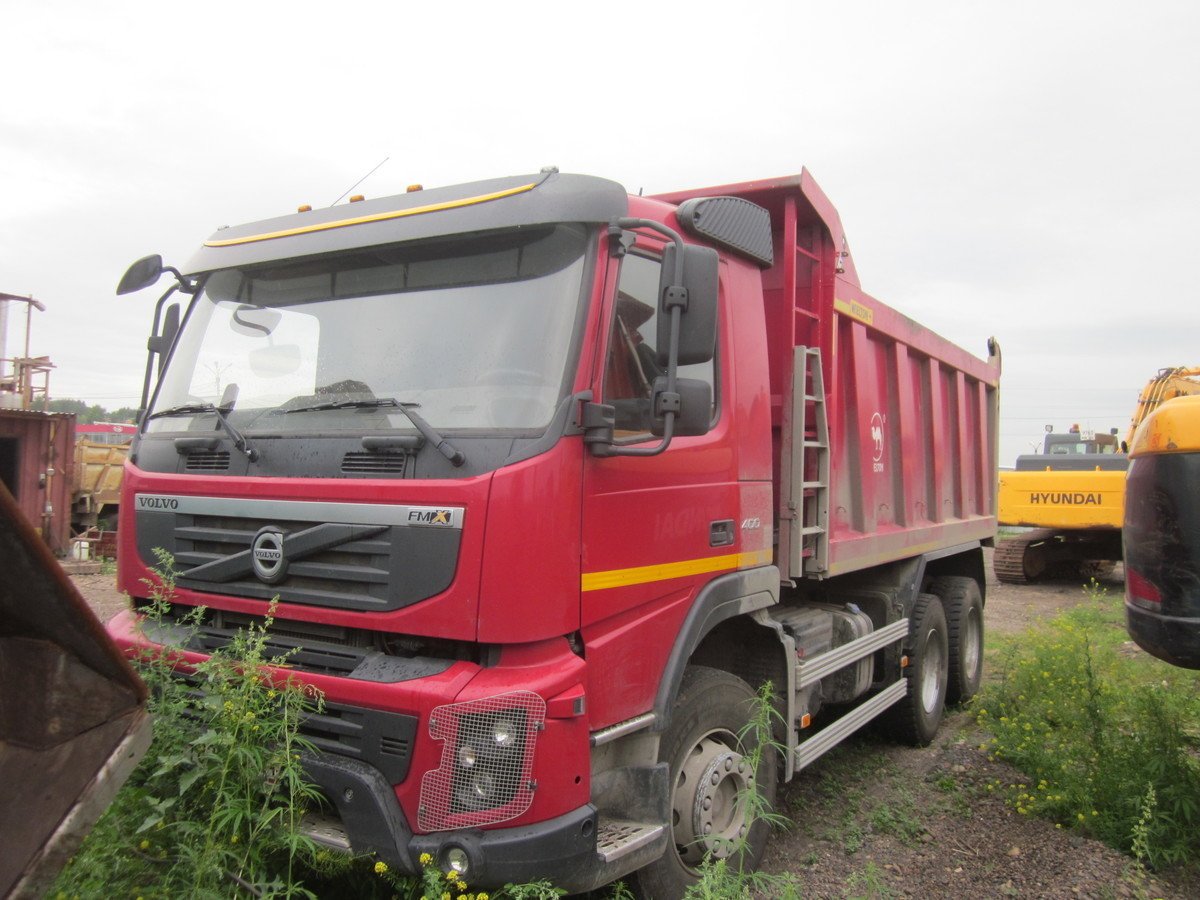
(873, 819)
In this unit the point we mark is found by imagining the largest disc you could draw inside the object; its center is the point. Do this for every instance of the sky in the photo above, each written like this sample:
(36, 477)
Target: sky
(1023, 170)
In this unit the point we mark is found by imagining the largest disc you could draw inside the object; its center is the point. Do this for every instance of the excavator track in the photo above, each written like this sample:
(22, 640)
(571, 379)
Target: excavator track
(1021, 559)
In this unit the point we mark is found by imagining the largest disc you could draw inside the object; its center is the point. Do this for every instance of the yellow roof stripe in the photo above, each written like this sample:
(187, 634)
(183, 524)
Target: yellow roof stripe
(599, 581)
(375, 217)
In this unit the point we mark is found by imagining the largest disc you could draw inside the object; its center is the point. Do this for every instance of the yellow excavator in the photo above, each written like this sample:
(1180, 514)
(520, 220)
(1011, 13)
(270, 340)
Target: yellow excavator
(1072, 495)
(1162, 534)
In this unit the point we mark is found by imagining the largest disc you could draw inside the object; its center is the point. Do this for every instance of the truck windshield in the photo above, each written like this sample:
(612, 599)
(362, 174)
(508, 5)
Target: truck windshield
(472, 334)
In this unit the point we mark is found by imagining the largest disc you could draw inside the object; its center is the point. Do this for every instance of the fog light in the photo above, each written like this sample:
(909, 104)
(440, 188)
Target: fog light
(483, 786)
(456, 860)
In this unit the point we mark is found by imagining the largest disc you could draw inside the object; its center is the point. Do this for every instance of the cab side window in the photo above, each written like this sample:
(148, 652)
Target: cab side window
(632, 365)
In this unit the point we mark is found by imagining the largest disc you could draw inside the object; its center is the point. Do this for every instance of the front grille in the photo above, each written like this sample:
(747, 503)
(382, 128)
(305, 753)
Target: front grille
(363, 557)
(351, 574)
(207, 461)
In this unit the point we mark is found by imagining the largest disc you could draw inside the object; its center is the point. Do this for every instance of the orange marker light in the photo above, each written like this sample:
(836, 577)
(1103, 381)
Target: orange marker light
(357, 198)
(904, 662)
(413, 188)
(805, 720)
(303, 207)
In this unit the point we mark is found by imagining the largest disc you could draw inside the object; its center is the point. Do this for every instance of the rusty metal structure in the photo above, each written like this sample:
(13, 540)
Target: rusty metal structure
(37, 458)
(37, 463)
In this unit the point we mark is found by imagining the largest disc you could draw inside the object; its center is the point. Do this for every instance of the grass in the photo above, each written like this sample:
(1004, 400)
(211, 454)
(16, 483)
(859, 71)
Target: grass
(1107, 737)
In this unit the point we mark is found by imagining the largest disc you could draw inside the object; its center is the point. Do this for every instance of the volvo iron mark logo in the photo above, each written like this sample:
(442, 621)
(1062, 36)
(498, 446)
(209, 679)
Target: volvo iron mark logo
(266, 555)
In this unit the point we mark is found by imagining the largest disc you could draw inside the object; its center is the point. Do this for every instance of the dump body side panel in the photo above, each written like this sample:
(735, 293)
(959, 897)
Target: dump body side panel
(912, 417)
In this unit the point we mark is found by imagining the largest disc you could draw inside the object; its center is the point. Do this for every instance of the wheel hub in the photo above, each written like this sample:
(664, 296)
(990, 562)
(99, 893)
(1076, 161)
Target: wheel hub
(710, 801)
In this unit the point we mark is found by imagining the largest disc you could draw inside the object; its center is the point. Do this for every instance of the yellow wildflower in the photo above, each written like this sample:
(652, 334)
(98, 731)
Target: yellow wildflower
(380, 867)
(426, 859)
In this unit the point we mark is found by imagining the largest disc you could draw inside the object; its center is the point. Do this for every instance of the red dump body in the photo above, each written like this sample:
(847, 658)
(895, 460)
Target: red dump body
(912, 418)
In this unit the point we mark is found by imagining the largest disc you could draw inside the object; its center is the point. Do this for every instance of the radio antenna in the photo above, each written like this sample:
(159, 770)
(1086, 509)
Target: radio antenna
(361, 180)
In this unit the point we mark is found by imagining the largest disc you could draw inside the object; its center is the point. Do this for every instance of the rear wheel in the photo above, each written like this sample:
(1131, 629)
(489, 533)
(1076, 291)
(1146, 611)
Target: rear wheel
(963, 606)
(713, 779)
(916, 718)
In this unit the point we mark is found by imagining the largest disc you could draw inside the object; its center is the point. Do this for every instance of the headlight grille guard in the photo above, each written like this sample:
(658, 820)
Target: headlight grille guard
(485, 774)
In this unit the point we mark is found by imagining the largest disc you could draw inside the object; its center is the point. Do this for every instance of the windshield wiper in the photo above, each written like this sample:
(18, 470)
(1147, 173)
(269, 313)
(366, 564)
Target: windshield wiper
(191, 409)
(443, 446)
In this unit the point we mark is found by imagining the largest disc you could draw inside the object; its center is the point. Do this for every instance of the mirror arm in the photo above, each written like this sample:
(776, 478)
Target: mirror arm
(158, 308)
(185, 285)
(670, 233)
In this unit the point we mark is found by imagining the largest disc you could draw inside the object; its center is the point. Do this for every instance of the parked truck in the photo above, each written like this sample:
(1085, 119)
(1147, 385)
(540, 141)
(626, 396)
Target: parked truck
(548, 480)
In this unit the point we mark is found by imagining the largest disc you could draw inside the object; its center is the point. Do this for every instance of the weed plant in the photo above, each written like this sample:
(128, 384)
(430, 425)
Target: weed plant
(1106, 736)
(214, 807)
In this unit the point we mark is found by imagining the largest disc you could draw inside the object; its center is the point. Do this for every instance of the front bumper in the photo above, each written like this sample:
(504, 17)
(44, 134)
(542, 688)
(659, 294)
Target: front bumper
(562, 850)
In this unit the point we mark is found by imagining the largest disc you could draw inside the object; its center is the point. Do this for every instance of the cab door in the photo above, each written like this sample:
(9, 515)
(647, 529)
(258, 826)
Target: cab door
(655, 529)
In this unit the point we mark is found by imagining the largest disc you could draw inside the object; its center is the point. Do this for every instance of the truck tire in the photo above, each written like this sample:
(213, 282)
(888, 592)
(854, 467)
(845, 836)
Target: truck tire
(963, 606)
(710, 782)
(916, 718)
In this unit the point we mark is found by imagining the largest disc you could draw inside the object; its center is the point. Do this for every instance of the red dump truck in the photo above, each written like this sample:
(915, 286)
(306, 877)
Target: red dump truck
(548, 479)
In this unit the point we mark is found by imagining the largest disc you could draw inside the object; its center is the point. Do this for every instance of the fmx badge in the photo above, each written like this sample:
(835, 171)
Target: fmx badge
(431, 516)
(877, 423)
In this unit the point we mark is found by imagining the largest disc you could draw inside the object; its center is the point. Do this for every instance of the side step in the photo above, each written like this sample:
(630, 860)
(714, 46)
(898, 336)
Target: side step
(836, 731)
(616, 838)
(809, 672)
(326, 830)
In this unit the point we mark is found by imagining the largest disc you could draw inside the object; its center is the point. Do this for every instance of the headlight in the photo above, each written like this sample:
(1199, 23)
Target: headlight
(503, 733)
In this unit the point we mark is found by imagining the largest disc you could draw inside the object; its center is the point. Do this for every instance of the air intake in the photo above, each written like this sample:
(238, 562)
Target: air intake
(376, 464)
(207, 461)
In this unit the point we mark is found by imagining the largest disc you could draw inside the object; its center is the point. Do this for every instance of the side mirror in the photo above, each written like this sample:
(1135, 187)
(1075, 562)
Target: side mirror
(694, 415)
(141, 274)
(162, 342)
(698, 322)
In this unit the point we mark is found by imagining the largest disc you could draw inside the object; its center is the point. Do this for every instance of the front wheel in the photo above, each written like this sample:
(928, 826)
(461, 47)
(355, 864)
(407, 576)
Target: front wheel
(716, 788)
(916, 718)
